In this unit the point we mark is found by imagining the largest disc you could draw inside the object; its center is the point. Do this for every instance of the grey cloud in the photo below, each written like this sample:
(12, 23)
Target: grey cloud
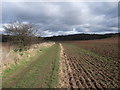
(62, 18)
(105, 8)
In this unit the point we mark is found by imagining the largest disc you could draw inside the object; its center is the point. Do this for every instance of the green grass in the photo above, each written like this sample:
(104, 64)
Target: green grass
(22, 62)
(42, 72)
(54, 78)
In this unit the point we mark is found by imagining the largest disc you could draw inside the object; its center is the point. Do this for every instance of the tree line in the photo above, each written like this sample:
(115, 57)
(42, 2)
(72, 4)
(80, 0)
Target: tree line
(81, 37)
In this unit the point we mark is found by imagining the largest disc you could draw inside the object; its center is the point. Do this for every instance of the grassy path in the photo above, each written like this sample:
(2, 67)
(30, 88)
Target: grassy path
(40, 73)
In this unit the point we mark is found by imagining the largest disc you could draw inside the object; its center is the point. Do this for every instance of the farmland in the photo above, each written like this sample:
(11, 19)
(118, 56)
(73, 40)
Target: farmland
(91, 64)
(57, 44)
(107, 48)
(69, 64)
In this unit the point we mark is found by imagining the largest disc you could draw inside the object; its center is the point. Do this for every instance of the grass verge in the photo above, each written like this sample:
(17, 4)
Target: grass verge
(22, 63)
(42, 72)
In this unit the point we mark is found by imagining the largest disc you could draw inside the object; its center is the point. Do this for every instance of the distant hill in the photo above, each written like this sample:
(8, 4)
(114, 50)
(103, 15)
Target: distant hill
(6, 38)
(80, 37)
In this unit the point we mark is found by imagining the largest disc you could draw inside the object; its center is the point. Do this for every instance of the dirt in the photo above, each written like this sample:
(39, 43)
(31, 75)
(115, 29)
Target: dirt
(82, 64)
(79, 70)
(107, 48)
(64, 70)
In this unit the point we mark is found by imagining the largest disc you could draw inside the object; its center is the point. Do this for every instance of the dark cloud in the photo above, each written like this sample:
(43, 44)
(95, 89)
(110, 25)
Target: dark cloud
(64, 17)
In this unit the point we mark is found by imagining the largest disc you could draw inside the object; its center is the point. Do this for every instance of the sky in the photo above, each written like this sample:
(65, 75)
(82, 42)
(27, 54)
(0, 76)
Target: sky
(63, 18)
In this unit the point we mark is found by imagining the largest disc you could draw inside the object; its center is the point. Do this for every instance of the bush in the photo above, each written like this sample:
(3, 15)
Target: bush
(21, 34)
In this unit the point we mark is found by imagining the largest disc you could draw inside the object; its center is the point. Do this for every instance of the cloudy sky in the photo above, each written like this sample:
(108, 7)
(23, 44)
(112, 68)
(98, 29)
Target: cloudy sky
(63, 18)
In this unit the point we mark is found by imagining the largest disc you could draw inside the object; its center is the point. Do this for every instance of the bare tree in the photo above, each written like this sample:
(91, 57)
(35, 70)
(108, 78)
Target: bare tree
(21, 34)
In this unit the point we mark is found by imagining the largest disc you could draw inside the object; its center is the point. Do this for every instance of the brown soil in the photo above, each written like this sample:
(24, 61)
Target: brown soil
(105, 47)
(78, 70)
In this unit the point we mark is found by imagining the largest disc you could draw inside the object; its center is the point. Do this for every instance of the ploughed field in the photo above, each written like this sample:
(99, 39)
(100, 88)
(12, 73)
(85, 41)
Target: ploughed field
(107, 48)
(91, 64)
(70, 64)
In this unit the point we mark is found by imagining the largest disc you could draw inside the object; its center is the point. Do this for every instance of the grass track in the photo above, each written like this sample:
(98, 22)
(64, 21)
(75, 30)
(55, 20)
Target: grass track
(40, 73)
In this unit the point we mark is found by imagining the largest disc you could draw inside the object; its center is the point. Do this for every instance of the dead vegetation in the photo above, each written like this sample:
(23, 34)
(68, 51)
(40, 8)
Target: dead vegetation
(21, 34)
(11, 56)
